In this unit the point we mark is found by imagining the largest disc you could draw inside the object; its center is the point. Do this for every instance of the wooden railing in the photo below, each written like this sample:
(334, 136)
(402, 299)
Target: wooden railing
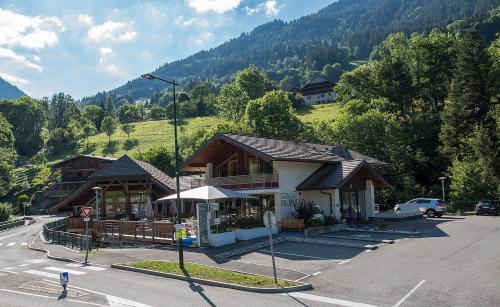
(239, 182)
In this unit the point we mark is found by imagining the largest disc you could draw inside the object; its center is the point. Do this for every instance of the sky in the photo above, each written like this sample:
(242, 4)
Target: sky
(82, 47)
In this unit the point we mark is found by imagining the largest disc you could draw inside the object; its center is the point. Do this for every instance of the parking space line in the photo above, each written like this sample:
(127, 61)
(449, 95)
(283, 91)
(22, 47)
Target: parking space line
(7, 271)
(401, 301)
(299, 255)
(328, 300)
(345, 261)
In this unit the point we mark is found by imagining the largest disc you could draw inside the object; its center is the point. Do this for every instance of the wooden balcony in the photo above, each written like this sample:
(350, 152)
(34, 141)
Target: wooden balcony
(259, 181)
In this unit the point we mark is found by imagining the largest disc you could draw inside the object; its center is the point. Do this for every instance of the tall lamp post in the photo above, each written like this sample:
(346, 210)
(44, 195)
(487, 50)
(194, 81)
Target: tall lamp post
(97, 189)
(149, 76)
(442, 185)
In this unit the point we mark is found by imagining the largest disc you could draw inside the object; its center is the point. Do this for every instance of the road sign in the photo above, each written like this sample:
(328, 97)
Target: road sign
(86, 211)
(64, 279)
(217, 220)
(86, 219)
(214, 207)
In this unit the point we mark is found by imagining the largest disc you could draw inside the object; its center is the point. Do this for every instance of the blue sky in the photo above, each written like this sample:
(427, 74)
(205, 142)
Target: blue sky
(82, 47)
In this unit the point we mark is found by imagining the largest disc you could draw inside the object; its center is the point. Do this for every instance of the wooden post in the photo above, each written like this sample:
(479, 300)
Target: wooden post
(128, 207)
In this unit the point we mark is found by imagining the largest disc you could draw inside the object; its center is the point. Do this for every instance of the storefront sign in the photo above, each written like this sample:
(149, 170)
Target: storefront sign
(290, 199)
(214, 207)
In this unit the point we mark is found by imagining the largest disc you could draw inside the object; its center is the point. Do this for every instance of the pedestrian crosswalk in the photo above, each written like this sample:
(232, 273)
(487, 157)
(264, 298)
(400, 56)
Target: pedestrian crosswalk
(37, 268)
(12, 244)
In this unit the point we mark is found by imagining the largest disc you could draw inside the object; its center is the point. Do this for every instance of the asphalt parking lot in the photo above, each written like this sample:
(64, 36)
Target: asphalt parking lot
(454, 262)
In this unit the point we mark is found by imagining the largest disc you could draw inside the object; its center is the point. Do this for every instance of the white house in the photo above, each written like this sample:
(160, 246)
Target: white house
(280, 174)
(317, 91)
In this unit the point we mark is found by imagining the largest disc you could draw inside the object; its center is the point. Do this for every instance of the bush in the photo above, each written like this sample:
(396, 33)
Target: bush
(317, 223)
(5, 211)
(222, 227)
(331, 220)
(249, 222)
(306, 211)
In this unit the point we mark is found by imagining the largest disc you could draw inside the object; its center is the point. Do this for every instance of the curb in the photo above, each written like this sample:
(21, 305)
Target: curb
(355, 239)
(57, 258)
(331, 243)
(303, 287)
(387, 231)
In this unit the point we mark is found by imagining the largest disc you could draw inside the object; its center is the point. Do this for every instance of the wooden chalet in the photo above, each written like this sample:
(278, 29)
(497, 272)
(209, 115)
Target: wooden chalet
(126, 184)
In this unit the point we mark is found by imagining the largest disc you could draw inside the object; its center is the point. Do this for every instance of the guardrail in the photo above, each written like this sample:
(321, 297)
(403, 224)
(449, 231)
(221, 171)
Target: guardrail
(54, 232)
(11, 224)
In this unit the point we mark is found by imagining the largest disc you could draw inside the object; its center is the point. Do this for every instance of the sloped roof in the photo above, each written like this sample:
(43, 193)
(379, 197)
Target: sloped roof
(276, 149)
(333, 176)
(128, 167)
(82, 155)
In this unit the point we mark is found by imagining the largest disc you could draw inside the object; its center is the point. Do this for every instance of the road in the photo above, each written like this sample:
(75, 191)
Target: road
(28, 278)
(454, 263)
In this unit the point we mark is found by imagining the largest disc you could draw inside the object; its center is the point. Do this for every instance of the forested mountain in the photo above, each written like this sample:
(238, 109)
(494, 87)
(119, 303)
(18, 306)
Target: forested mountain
(9, 91)
(341, 32)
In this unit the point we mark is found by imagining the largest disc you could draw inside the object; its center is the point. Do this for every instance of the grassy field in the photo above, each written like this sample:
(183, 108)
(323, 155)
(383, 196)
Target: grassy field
(212, 273)
(148, 134)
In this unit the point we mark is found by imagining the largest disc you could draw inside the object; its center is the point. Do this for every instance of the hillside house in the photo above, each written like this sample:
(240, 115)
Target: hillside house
(317, 91)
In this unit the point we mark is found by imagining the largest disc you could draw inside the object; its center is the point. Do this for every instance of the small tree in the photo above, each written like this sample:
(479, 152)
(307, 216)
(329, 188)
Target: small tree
(108, 126)
(88, 130)
(21, 200)
(5, 211)
(128, 129)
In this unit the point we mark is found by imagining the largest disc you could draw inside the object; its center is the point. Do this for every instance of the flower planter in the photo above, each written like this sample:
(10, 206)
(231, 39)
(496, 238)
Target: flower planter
(324, 229)
(222, 238)
(252, 233)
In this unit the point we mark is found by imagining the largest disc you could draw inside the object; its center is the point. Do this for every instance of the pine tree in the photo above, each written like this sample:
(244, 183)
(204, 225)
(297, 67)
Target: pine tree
(468, 101)
(110, 107)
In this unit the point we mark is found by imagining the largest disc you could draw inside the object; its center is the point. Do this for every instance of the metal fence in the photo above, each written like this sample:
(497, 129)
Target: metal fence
(54, 232)
(11, 224)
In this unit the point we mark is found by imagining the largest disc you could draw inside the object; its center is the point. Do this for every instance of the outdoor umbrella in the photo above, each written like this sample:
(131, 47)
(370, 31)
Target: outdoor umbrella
(207, 193)
(149, 209)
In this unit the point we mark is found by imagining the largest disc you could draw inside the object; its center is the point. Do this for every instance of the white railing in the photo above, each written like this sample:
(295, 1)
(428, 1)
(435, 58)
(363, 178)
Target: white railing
(244, 181)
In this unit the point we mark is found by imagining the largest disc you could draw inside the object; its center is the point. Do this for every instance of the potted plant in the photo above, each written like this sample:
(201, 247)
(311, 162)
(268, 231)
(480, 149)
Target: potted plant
(221, 235)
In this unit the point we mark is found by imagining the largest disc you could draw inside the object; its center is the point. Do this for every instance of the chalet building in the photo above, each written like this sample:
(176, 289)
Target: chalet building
(75, 173)
(280, 174)
(126, 185)
(317, 91)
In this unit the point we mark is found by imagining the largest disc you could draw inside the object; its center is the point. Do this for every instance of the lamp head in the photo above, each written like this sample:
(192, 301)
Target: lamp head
(148, 76)
(442, 178)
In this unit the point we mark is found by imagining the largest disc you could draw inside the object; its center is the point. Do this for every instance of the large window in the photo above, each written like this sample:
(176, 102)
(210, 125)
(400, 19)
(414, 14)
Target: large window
(229, 168)
(253, 166)
(114, 202)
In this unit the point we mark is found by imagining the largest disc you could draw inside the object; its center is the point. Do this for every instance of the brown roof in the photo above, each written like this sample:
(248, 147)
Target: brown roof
(334, 176)
(82, 155)
(128, 167)
(270, 149)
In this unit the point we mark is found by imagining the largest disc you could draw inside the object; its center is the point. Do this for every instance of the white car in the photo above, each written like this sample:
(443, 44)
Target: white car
(430, 206)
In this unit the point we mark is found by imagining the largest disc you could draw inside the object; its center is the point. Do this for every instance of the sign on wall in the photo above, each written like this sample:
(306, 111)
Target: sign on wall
(290, 199)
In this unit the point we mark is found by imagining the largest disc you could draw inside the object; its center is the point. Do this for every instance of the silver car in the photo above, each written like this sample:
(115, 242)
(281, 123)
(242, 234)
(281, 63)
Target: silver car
(430, 206)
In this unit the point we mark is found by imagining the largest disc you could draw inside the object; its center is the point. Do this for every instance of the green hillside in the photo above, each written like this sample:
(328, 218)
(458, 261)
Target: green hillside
(150, 133)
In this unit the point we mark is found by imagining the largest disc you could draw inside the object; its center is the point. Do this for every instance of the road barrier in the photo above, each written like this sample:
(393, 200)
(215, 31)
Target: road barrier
(11, 224)
(54, 232)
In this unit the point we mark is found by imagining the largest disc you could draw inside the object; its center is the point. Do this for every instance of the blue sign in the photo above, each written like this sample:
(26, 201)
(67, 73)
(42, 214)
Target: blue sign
(64, 278)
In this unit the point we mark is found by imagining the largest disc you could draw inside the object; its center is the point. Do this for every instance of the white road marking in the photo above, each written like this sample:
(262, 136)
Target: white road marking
(328, 300)
(50, 297)
(269, 266)
(309, 275)
(41, 273)
(24, 244)
(1, 243)
(112, 300)
(10, 268)
(298, 255)
(10, 272)
(38, 260)
(60, 270)
(86, 267)
(24, 264)
(11, 244)
(409, 293)
(345, 261)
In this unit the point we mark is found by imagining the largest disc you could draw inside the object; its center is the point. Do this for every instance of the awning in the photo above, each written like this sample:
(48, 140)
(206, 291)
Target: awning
(207, 193)
(260, 191)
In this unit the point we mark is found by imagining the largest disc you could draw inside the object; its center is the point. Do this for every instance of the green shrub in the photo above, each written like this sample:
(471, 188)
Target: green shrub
(331, 220)
(222, 227)
(306, 211)
(249, 222)
(316, 223)
(5, 211)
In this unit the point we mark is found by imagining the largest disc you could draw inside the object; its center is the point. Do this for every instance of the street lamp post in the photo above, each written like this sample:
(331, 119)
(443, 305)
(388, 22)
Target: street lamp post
(97, 189)
(177, 184)
(442, 185)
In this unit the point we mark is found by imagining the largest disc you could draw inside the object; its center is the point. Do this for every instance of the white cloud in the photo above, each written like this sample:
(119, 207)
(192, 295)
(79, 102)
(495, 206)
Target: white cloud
(115, 71)
(14, 58)
(112, 31)
(218, 6)
(18, 81)
(105, 52)
(270, 8)
(179, 20)
(29, 32)
(85, 19)
(202, 39)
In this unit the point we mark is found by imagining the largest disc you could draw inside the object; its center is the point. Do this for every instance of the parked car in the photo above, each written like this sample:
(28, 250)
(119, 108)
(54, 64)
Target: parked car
(486, 209)
(430, 206)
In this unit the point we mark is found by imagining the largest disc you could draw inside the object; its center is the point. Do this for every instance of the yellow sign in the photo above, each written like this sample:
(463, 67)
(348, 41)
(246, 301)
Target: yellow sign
(180, 233)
